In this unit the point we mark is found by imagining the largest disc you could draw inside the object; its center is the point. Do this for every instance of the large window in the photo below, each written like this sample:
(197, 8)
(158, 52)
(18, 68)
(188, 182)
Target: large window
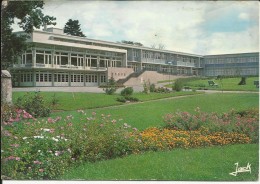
(43, 76)
(26, 77)
(91, 78)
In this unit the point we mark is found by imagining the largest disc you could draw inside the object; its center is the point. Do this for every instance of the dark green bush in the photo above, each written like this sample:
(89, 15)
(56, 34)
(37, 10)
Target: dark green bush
(127, 98)
(243, 81)
(178, 85)
(33, 104)
(111, 87)
(121, 99)
(152, 88)
(127, 91)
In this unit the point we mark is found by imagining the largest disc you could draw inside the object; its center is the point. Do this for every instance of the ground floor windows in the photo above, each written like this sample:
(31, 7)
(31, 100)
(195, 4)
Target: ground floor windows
(46, 78)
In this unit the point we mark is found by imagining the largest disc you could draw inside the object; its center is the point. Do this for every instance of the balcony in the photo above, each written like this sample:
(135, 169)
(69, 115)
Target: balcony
(181, 63)
(68, 67)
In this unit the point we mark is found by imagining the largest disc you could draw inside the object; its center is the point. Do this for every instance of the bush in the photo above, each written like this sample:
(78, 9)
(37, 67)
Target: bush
(146, 86)
(164, 139)
(227, 122)
(127, 91)
(33, 104)
(7, 111)
(162, 90)
(45, 149)
(152, 88)
(178, 85)
(127, 98)
(243, 81)
(111, 87)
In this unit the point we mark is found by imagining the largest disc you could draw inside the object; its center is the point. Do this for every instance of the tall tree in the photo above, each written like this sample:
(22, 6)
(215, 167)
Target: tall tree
(30, 16)
(132, 43)
(72, 27)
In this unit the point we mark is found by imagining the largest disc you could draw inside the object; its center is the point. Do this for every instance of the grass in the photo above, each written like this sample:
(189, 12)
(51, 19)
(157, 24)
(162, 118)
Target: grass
(74, 101)
(227, 84)
(149, 114)
(202, 164)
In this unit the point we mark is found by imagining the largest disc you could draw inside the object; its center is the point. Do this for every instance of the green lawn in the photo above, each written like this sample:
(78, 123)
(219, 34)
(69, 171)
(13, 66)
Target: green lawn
(148, 114)
(226, 84)
(202, 164)
(74, 101)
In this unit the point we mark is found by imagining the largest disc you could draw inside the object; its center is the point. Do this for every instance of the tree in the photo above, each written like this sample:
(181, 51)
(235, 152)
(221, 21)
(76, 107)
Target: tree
(132, 43)
(72, 27)
(160, 46)
(30, 16)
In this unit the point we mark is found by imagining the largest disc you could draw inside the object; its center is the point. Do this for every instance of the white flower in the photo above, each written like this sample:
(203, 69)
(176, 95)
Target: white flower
(55, 139)
(39, 151)
(38, 136)
(25, 138)
(2, 151)
(46, 130)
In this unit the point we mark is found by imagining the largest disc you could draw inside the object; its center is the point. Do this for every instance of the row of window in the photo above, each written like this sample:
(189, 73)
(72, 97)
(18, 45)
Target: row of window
(234, 71)
(62, 58)
(231, 60)
(60, 77)
(231, 65)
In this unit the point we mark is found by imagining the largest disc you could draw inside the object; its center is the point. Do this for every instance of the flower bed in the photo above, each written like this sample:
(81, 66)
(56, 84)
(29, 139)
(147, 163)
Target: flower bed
(44, 149)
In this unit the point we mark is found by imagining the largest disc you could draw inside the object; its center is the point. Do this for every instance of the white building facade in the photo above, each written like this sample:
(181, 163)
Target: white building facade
(57, 59)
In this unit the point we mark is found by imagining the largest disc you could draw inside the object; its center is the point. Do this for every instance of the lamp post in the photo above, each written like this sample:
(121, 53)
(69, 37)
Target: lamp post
(169, 63)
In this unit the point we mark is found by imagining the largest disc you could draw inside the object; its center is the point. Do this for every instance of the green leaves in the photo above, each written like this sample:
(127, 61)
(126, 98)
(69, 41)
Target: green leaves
(30, 16)
(72, 27)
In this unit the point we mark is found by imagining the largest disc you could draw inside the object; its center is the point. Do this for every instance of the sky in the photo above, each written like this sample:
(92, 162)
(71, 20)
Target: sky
(198, 27)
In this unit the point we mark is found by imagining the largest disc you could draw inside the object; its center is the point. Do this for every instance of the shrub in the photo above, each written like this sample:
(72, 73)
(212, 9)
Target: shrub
(146, 86)
(127, 98)
(162, 90)
(45, 149)
(7, 111)
(243, 81)
(165, 139)
(152, 88)
(121, 99)
(127, 91)
(178, 85)
(227, 122)
(33, 104)
(111, 86)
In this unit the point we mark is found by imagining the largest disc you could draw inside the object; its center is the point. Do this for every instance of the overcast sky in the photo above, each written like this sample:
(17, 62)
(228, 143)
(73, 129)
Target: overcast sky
(214, 27)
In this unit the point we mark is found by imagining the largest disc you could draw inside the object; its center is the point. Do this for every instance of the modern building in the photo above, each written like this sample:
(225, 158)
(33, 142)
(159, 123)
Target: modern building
(57, 59)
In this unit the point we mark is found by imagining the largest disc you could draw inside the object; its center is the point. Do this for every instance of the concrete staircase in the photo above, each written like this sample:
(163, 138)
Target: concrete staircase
(132, 75)
(138, 78)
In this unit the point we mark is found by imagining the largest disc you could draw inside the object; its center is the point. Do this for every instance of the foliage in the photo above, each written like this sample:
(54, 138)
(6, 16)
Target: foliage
(7, 111)
(178, 85)
(162, 90)
(34, 104)
(54, 100)
(212, 122)
(132, 43)
(166, 139)
(30, 16)
(72, 27)
(45, 149)
(152, 88)
(146, 86)
(243, 81)
(127, 91)
(127, 99)
(111, 86)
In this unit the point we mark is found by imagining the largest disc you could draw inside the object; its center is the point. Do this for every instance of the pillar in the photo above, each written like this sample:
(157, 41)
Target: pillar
(6, 87)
